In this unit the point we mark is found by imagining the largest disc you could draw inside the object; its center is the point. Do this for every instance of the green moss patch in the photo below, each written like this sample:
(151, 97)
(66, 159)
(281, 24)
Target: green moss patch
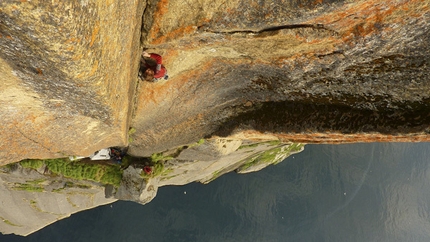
(9, 222)
(272, 156)
(269, 143)
(34, 164)
(156, 157)
(200, 142)
(131, 131)
(105, 174)
(102, 173)
(28, 187)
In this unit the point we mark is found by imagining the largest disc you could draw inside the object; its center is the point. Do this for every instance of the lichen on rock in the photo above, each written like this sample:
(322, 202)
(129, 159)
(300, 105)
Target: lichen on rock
(320, 72)
(32, 200)
(67, 69)
(294, 72)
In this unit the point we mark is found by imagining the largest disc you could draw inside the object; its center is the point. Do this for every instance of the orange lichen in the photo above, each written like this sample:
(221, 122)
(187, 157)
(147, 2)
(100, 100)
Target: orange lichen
(158, 37)
(172, 55)
(31, 118)
(39, 71)
(162, 9)
(367, 18)
(95, 33)
(151, 94)
(73, 40)
(315, 41)
(299, 37)
(174, 34)
(338, 138)
(77, 57)
(80, 75)
(335, 138)
(94, 68)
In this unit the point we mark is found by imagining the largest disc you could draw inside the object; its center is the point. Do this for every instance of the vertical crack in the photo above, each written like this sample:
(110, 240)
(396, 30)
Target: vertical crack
(147, 20)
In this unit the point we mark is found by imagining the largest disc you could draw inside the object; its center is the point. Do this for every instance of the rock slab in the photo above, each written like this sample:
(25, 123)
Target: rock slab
(68, 74)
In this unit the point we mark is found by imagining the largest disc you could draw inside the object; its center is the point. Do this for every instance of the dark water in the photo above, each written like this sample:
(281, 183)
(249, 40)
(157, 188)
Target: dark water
(357, 192)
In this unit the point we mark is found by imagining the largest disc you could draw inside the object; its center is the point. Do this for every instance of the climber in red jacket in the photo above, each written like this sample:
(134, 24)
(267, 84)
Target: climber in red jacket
(151, 67)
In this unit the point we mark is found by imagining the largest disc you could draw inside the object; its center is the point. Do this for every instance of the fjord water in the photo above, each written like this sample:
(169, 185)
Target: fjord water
(355, 192)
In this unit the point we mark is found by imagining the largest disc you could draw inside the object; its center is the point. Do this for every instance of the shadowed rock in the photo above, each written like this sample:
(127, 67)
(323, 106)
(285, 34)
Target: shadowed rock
(252, 71)
(315, 72)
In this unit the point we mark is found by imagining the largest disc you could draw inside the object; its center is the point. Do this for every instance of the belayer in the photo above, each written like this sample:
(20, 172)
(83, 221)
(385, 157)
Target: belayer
(152, 68)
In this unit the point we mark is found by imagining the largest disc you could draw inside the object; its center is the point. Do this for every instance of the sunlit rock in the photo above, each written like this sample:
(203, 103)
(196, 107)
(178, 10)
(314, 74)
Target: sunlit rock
(67, 71)
(32, 200)
(274, 73)
(313, 72)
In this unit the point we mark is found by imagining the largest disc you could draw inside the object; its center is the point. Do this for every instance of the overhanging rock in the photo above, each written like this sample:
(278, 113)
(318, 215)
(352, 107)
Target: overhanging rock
(319, 71)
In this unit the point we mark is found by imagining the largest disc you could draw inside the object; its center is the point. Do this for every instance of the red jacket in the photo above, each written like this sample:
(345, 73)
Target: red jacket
(159, 70)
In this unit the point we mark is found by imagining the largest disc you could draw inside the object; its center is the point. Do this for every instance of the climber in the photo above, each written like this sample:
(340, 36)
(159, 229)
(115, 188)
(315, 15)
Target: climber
(152, 68)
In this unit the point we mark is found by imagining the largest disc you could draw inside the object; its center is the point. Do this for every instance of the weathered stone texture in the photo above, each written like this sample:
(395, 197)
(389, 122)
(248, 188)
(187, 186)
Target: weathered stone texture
(68, 72)
(201, 162)
(34, 198)
(319, 71)
(314, 71)
(24, 211)
(250, 70)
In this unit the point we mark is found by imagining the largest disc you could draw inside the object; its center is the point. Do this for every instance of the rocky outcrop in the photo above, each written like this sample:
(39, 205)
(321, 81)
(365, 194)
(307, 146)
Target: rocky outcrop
(34, 195)
(68, 72)
(314, 71)
(201, 162)
(31, 200)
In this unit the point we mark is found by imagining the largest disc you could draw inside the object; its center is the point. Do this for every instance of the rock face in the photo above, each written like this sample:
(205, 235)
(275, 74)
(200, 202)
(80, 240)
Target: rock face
(314, 71)
(241, 72)
(33, 198)
(202, 162)
(31, 201)
(68, 72)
